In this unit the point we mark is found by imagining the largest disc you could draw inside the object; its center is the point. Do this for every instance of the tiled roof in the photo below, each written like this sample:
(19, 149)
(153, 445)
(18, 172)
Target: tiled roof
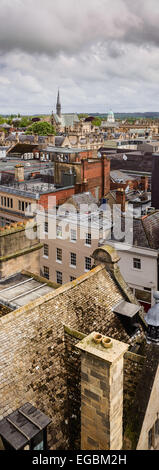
(151, 227)
(66, 120)
(119, 176)
(4, 310)
(82, 198)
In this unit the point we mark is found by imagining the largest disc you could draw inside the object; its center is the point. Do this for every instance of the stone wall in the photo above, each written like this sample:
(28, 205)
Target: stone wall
(17, 251)
(133, 364)
(73, 368)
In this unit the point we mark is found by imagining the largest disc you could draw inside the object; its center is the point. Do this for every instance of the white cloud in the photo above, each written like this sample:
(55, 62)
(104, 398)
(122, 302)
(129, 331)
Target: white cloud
(101, 53)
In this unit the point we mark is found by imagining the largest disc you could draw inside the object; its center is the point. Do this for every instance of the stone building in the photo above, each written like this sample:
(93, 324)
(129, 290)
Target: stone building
(63, 122)
(70, 235)
(17, 250)
(48, 357)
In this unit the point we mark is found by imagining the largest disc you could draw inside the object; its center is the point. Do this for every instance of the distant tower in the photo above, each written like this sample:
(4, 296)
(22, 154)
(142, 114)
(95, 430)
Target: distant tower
(58, 105)
(111, 118)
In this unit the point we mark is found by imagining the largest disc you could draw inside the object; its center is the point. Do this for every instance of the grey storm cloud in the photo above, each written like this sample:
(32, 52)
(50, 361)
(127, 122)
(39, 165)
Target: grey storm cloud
(101, 53)
(50, 27)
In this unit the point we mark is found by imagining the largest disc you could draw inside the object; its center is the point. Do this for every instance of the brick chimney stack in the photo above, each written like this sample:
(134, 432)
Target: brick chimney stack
(101, 392)
(144, 183)
(19, 173)
(120, 198)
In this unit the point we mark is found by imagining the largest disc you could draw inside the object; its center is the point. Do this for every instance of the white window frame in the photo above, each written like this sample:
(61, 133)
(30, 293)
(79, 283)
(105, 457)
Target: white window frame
(73, 240)
(85, 262)
(137, 260)
(57, 259)
(87, 237)
(73, 265)
(58, 272)
(44, 255)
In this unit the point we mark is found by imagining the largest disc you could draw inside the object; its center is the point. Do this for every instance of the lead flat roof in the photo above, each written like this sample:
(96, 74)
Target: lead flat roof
(126, 308)
(21, 291)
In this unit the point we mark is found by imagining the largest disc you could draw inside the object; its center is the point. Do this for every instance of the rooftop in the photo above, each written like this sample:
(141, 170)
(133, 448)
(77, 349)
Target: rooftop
(21, 289)
(19, 427)
(63, 150)
(8, 164)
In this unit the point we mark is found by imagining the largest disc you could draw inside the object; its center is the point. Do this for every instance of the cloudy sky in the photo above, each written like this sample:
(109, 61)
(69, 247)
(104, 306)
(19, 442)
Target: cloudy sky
(102, 54)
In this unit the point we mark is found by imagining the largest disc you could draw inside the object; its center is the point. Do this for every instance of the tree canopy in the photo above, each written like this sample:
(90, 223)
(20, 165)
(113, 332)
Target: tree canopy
(40, 128)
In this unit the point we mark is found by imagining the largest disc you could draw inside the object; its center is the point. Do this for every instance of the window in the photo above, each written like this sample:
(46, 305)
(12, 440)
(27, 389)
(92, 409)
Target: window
(72, 278)
(59, 254)
(73, 235)
(1, 200)
(23, 207)
(157, 427)
(19, 205)
(46, 250)
(46, 227)
(7, 201)
(11, 203)
(46, 272)
(59, 231)
(73, 259)
(151, 438)
(87, 263)
(58, 277)
(137, 263)
(88, 239)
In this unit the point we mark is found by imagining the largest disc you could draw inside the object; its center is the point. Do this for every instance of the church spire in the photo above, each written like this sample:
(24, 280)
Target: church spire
(58, 105)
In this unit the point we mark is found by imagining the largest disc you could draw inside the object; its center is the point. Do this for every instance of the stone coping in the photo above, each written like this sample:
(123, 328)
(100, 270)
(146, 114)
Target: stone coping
(109, 355)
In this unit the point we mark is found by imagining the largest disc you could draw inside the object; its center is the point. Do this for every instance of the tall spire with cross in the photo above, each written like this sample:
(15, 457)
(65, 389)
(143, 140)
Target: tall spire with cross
(58, 105)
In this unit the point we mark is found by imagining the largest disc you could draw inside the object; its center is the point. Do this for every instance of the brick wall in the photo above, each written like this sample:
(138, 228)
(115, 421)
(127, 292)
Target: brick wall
(97, 174)
(61, 196)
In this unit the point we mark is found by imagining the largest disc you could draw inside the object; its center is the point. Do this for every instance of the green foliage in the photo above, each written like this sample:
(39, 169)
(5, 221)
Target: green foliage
(82, 115)
(24, 122)
(97, 121)
(2, 120)
(40, 128)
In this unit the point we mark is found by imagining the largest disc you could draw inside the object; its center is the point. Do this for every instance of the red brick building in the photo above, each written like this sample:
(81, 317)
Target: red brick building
(90, 175)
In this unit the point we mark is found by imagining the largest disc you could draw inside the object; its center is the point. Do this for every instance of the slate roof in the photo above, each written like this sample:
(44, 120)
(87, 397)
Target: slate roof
(59, 140)
(4, 310)
(119, 176)
(66, 120)
(136, 161)
(145, 231)
(150, 224)
(82, 198)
